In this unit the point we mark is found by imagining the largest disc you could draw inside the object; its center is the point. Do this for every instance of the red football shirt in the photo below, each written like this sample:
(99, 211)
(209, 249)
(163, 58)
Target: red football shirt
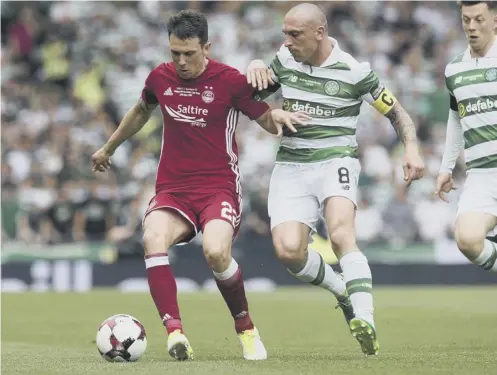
(199, 151)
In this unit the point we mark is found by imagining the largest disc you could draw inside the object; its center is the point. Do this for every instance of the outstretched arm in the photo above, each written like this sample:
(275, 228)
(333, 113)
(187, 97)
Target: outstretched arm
(271, 120)
(131, 123)
(266, 122)
(274, 120)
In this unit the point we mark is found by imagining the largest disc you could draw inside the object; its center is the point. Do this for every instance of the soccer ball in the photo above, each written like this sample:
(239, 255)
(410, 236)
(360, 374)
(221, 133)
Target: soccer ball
(121, 338)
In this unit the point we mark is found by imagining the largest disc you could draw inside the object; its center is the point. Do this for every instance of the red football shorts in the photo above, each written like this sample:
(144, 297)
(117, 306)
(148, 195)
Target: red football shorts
(200, 207)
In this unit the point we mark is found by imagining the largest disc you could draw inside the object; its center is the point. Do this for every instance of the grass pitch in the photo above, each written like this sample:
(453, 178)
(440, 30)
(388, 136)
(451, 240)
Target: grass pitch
(421, 331)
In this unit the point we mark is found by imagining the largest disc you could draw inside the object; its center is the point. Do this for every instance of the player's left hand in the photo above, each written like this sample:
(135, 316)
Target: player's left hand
(413, 165)
(283, 118)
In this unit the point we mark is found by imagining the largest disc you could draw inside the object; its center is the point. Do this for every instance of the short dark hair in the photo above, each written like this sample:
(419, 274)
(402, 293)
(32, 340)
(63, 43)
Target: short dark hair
(189, 24)
(492, 5)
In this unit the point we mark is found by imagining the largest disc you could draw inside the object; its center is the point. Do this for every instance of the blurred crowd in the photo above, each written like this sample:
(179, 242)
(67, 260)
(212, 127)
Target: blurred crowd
(70, 70)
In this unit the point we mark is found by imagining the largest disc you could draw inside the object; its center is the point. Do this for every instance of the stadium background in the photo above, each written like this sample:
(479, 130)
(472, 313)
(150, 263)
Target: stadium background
(70, 70)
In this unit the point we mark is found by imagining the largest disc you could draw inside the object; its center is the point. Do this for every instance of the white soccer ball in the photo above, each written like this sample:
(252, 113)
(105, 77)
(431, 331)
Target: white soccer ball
(121, 338)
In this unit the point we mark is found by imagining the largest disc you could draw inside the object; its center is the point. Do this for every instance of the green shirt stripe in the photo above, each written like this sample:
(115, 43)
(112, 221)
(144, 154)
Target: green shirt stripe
(484, 162)
(316, 85)
(276, 66)
(311, 155)
(338, 66)
(475, 136)
(466, 78)
(368, 83)
(318, 131)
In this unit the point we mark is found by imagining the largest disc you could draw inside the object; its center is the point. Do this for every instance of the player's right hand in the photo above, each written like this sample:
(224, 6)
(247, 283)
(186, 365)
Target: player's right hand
(445, 184)
(259, 75)
(101, 160)
(283, 118)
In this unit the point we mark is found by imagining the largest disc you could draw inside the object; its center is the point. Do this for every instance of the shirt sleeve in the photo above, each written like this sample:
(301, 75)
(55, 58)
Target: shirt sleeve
(148, 92)
(243, 97)
(454, 141)
(372, 90)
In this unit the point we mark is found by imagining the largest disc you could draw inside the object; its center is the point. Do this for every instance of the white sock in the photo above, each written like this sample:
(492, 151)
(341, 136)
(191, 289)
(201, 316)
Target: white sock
(156, 260)
(357, 275)
(488, 257)
(228, 273)
(317, 272)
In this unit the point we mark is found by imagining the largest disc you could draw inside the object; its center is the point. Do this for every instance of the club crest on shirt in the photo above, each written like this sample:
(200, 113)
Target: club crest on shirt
(208, 95)
(332, 87)
(491, 74)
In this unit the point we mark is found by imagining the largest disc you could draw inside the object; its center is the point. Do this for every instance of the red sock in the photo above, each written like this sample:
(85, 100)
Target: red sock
(233, 292)
(163, 290)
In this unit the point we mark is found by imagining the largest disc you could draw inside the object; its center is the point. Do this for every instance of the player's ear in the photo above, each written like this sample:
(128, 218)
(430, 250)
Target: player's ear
(206, 48)
(320, 33)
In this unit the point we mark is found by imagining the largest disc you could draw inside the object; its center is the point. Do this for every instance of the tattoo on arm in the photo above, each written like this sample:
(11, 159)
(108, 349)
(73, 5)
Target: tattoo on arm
(402, 123)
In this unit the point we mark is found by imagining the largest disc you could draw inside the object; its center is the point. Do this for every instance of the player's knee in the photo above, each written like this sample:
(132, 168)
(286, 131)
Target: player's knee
(290, 247)
(155, 241)
(470, 242)
(342, 236)
(217, 252)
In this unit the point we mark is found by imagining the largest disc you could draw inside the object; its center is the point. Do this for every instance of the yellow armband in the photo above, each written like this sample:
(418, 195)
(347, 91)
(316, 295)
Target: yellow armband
(385, 101)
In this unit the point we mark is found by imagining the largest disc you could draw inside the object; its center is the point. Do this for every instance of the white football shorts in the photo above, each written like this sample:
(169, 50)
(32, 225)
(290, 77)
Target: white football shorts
(479, 193)
(297, 191)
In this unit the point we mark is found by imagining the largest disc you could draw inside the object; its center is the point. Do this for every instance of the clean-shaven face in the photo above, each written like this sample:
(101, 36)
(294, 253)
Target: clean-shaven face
(188, 56)
(479, 25)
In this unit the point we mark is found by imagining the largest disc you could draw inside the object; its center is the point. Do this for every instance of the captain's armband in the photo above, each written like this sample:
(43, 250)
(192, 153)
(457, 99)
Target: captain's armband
(384, 102)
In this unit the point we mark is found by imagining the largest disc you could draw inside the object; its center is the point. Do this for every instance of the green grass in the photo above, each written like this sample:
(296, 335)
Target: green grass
(421, 331)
